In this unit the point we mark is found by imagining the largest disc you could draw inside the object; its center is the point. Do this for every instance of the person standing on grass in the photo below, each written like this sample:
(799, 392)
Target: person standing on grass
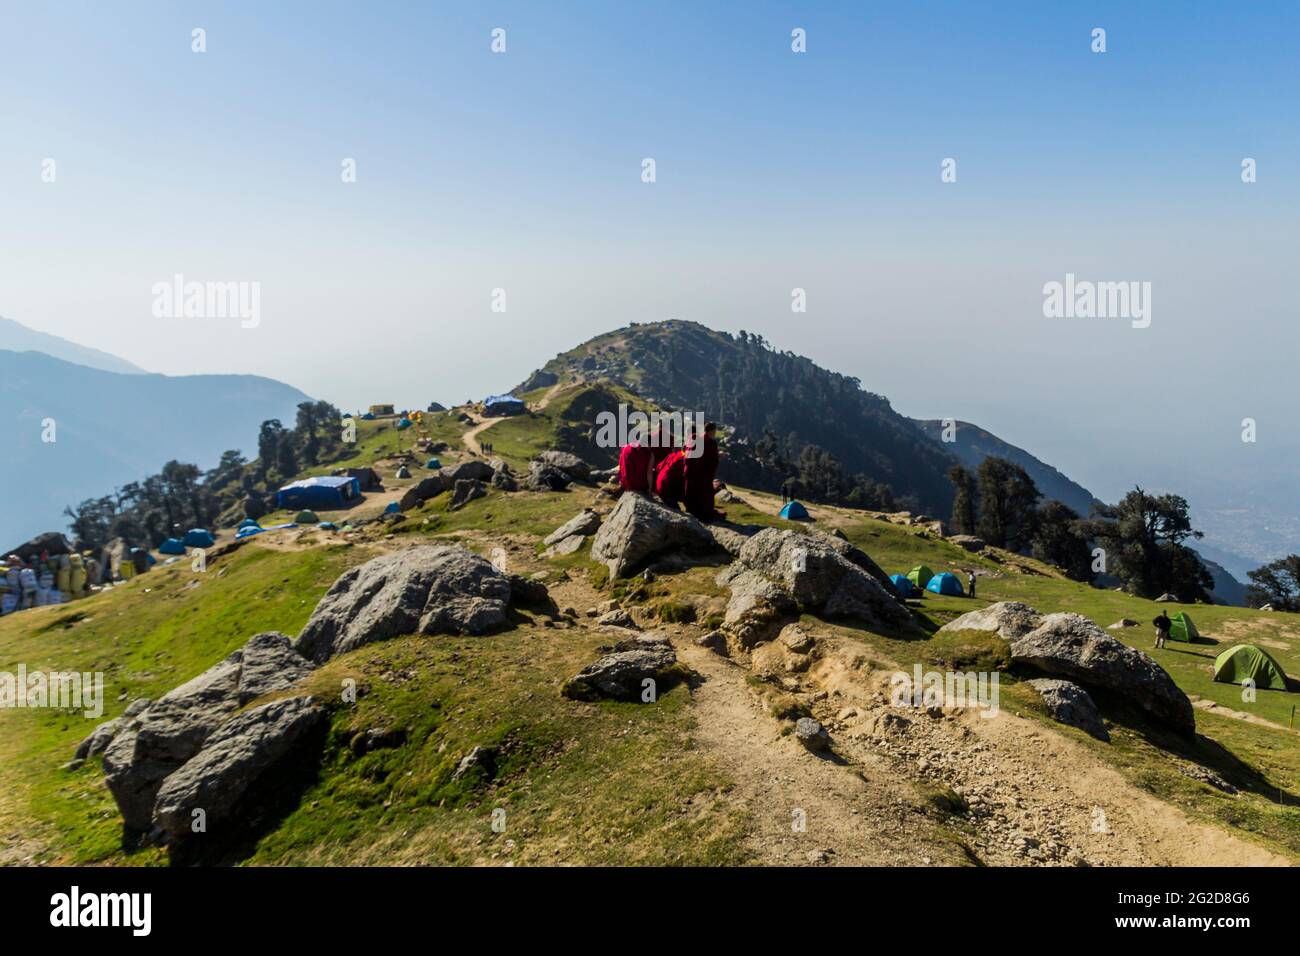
(970, 583)
(1162, 625)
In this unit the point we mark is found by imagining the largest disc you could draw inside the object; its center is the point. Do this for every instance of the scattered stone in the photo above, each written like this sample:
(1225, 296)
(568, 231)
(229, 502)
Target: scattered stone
(621, 673)
(616, 618)
(480, 758)
(570, 464)
(1122, 623)
(584, 522)
(1009, 619)
(715, 641)
(811, 734)
(968, 542)
(1068, 703)
(472, 470)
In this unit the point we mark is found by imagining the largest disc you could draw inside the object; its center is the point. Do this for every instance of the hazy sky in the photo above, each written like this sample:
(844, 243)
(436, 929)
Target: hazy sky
(775, 170)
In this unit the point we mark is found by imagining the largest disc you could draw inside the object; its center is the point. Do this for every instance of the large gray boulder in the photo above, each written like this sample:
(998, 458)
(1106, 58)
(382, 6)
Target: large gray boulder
(471, 470)
(570, 464)
(620, 674)
(863, 560)
(544, 477)
(758, 607)
(1070, 704)
(1073, 647)
(638, 529)
(233, 759)
(423, 590)
(152, 742)
(820, 579)
(467, 490)
(1009, 619)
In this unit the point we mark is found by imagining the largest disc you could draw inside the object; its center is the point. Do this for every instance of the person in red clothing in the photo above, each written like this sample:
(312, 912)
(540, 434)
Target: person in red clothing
(670, 480)
(699, 471)
(636, 468)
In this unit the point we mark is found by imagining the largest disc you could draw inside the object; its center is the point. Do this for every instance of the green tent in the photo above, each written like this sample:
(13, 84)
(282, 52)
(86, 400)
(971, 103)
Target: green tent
(1248, 662)
(1181, 628)
(307, 517)
(920, 576)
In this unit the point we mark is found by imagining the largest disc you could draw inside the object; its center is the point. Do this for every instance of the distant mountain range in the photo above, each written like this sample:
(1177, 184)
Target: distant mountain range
(16, 337)
(111, 427)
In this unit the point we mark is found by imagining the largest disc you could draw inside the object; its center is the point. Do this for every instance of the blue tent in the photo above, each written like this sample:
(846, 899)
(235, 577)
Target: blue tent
(198, 538)
(249, 522)
(393, 508)
(433, 463)
(247, 531)
(333, 491)
(172, 546)
(368, 417)
(904, 584)
(794, 511)
(403, 422)
(945, 583)
(328, 526)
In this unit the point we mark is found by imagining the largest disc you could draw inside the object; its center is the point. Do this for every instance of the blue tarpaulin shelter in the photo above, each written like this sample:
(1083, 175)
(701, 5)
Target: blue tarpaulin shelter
(503, 405)
(333, 491)
(172, 546)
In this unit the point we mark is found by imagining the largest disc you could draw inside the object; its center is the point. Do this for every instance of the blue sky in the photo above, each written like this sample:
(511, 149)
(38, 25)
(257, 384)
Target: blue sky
(775, 171)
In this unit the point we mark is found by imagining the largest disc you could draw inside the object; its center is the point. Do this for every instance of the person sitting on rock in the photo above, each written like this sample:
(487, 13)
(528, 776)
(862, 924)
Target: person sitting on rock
(700, 469)
(1162, 625)
(670, 479)
(636, 468)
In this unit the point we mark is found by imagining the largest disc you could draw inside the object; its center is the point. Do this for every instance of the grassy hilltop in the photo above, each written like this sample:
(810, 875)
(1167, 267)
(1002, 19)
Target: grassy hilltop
(706, 775)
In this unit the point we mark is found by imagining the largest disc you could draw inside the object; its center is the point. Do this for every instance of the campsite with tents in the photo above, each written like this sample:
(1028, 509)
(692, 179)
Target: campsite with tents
(455, 720)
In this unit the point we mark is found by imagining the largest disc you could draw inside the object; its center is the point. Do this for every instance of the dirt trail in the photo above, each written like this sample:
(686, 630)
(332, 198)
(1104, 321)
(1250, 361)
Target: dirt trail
(852, 814)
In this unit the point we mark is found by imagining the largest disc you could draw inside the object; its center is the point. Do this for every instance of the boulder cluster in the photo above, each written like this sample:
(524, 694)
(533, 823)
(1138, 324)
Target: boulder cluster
(191, 761)
(1076, 651)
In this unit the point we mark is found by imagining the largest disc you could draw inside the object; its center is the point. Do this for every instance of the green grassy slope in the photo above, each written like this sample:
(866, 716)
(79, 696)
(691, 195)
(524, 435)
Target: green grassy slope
(583, 783)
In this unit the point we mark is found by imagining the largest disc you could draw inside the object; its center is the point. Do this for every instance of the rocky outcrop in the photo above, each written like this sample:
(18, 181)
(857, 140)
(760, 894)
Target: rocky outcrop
(233, 759)
(423, 590)
(1070, 704)
(620, 674)
(779, 573)
(422, 491)
(503, 479)
(967, 542)
(570, 464)
(466, 490)
(543, 477)
(1009, 619)
(638, 529)
(472, 470)
(1073, 647)
(155, 740)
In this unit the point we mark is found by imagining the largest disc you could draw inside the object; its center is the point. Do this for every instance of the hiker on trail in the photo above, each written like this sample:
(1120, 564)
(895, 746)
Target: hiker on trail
(1162, 625)
(670, 479)
(636, 468)
(700, 469)
(970, 583)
